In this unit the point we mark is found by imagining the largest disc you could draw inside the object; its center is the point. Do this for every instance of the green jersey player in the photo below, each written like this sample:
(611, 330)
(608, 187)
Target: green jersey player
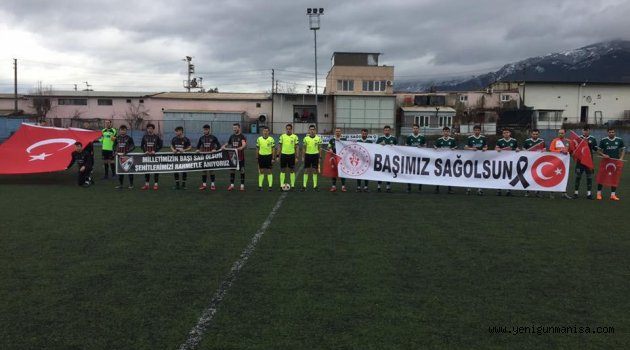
(415, 140)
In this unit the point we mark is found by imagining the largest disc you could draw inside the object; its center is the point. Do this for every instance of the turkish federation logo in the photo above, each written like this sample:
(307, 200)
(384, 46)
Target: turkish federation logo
(355, 159)
(548, 171)
(126, 162)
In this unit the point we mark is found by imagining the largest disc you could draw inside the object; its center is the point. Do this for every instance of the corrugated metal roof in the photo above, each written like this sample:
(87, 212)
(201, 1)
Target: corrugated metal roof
(427, 109)
(118, 94)
(213, 96)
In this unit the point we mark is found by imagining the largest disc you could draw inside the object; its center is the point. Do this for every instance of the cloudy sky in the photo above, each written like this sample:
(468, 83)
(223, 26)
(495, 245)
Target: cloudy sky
(139, 45)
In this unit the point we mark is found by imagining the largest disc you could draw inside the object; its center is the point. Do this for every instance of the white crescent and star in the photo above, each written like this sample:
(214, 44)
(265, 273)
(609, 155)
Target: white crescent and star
(43, 155)
(539, 170)
(614, 168)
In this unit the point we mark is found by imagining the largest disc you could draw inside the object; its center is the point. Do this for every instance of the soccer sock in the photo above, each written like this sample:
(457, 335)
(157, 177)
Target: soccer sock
(204, 179)
(282, 177)
(613, 191)
(155, 178)
(184, 176)
(292, 176)
(130, 180)
(578, 179)
(589, 183)
(212, 178)
(106, 166)
(304, 180)
(408, 187)
(261, 177)
(112, 167)
(314, 180)
(147, 178)
(242, 179)
(334, 181)
(120, 179)
(232, 176)
(270, 180)
(343, 181)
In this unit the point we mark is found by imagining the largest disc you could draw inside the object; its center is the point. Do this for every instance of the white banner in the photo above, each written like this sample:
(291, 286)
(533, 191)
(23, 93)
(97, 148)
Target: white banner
(510, 170)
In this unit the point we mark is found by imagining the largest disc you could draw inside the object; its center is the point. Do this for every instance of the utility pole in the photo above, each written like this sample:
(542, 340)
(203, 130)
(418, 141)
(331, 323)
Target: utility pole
(313, 19)
(273, 79)
(15, 94)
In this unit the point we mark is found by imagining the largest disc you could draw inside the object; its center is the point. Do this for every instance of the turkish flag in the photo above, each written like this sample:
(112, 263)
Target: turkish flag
(609, 172)
(582, 154)
(537, 147)
(41, 149)
(330, 165)
(574, 141)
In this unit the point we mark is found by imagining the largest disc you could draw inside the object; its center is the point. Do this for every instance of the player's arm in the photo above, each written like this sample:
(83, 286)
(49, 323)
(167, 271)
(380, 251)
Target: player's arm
(131, 145)
(173, 149)
(623, 151)
(257, 148)
(199, 144)
(484, 145)
(143, 144)
(243, 144)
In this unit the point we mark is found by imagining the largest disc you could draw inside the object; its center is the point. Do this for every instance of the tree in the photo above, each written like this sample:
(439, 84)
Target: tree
(135, 115)
(41, 100)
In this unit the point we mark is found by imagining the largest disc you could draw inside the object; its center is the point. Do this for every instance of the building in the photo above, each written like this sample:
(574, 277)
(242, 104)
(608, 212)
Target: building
(300, 110)
(431, 119)
(362, 91)
(555, 103)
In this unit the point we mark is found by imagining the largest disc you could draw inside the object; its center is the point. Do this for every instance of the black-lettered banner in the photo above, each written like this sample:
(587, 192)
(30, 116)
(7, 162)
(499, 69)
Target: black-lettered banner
(140, 163)
(534, 171)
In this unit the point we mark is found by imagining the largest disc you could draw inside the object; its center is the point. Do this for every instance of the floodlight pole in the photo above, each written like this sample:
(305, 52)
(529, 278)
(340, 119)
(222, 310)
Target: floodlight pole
(313, 20)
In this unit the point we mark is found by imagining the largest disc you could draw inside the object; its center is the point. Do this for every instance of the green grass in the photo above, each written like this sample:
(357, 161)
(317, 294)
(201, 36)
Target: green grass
(103, 269)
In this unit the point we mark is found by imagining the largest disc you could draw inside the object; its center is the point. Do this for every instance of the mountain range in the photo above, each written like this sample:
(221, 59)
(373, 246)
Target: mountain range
(602, 62)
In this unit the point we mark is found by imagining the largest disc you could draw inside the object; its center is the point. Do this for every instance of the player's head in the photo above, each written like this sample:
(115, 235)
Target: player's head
(535, 133)
(416, 129)
(179, 131)
(477, 130)
(387, 130)
(586, 130)
(206, 129)
(265, 131)
(236, 127)
(78, 146)
(311, 130)
(611, 132)
(561, 133)
(506, 133)
(446, 131)
(108, 123)
(289, 129)
(364, 133)
(150, 129)
(337, 132)
(122, 130)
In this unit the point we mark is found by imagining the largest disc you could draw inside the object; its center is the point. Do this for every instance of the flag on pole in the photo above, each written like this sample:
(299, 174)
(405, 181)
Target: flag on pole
(330, 165)
(609, 172)
(41, 149)
(574, 141)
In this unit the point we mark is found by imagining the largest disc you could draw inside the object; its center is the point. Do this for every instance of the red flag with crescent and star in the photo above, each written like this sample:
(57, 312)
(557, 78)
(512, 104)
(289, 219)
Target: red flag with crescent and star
(609, 172)
(330, 165)
(41, 149)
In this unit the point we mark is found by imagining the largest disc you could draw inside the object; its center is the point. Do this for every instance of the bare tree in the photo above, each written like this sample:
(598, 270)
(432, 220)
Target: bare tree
(41, 102)
(135, 115)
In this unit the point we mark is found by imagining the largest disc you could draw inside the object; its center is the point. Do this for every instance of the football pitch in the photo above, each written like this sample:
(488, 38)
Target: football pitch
(98, 268)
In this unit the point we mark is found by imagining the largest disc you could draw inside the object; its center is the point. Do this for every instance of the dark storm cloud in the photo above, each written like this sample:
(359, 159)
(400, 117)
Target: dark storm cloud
(418, 37)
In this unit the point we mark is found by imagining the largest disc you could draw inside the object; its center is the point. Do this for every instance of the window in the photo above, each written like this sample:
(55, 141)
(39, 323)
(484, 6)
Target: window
(374, 85)
(505, 98)
(72, 102)
(422, 120)
(104, 102)
(463, 98)
(345, 85)
(257, 104)
(128, 100)
(304, 114)
(141, 101)
(549, 116)
(445, 120)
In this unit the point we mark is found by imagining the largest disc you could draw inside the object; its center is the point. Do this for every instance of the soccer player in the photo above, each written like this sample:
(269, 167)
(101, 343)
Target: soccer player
(288, 153)
(364, 139)
(534, 143)
(333, 147)
(123, 145)
(206, 144)
(581, 169)
(85, 162)
(560, 145)
(310, 156)
(476, 142)
(265, 145)
(445, 142)
(610, 147)
(180, 144)
(415, 140)
(151, 143)
(237, 141)
(507, 143)
(107, 148)
(386, 139)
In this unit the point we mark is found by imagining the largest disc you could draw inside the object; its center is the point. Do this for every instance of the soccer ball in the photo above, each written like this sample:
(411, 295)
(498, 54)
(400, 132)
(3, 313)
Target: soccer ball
(286, 187)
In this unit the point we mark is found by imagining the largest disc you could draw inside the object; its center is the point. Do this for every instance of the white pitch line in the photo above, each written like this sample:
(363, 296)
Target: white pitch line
(197, 332)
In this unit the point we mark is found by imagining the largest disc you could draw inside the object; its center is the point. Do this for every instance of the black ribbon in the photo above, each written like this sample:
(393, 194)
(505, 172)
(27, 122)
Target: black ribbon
(521, 166)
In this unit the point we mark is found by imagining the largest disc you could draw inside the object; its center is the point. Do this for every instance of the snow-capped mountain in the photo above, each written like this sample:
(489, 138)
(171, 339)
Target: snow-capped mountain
(603, 62)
